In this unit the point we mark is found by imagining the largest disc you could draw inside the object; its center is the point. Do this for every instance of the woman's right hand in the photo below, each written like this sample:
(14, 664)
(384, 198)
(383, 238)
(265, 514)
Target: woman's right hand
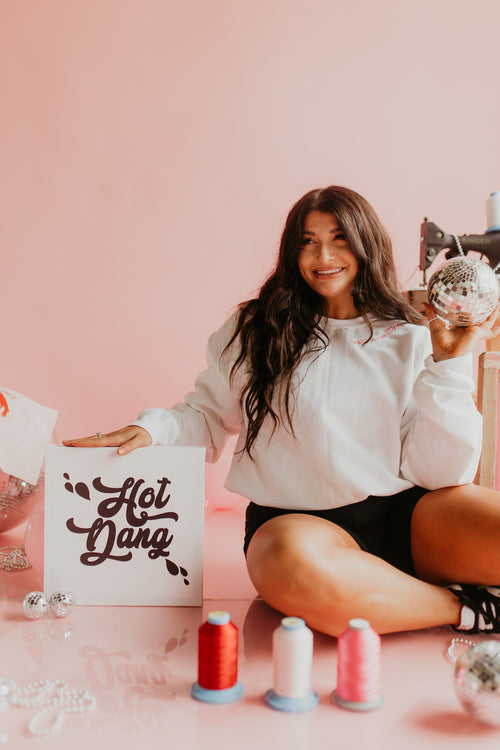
(127, 439)
(455, 341)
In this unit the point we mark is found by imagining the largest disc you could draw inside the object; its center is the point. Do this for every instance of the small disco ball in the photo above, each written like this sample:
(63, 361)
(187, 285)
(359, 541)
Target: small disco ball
(477, 681)
(18, 500)
(35, 605)
(61, 603)
(463, 292)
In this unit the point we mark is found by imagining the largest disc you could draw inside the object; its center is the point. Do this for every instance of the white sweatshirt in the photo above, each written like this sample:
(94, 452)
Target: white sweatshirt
(369, 419)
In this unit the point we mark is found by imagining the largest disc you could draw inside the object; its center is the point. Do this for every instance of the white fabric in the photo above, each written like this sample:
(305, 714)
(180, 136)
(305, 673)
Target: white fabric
(369, 419)
(468, 618)
(25, 431)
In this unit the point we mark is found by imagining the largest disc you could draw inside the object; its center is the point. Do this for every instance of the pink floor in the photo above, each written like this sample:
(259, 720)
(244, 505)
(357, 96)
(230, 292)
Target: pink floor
(140, 662)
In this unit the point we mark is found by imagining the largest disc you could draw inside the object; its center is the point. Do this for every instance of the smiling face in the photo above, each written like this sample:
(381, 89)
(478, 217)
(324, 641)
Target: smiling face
(327, 264)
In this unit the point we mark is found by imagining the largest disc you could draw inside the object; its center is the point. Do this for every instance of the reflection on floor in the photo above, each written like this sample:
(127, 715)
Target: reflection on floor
(140, 663)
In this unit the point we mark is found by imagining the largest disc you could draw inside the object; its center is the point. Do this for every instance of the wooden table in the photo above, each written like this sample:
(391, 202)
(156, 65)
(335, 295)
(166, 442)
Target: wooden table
(487, 403)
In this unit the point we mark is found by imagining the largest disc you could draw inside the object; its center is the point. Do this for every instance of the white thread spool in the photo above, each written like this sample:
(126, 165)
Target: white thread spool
(292, 667)
(493, 212)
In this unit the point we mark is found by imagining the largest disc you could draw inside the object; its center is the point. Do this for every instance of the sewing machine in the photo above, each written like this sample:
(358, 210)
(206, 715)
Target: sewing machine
(433, 240)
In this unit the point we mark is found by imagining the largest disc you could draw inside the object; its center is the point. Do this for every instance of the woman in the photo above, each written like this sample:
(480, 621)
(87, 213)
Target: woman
(358, 435)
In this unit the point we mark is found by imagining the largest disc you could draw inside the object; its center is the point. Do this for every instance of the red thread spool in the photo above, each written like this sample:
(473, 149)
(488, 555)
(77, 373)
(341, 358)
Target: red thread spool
(358, 668)
(217, 660)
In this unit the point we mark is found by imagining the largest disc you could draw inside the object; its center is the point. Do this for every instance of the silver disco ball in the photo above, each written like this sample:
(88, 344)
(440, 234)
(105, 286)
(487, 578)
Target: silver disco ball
(35, 605)
(61, 603)
(463, 292)
(18, 500)
(477, 681)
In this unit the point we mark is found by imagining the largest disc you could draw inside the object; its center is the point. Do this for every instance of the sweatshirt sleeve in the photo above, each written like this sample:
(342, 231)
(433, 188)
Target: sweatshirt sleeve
(211, 413)
(441, 430)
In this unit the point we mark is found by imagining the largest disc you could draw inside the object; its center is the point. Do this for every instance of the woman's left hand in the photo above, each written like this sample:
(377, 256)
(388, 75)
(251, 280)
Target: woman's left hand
(456, 341)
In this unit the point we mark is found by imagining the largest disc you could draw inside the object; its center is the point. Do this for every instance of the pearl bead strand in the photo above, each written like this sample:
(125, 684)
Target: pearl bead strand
(460, 645)
(53, 696)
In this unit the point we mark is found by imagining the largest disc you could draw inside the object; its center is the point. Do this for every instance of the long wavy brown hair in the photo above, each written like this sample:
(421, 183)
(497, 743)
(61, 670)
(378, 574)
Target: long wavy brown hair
(278, 328)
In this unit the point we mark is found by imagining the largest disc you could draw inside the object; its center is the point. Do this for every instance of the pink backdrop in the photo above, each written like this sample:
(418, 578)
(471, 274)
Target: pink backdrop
(151, 149)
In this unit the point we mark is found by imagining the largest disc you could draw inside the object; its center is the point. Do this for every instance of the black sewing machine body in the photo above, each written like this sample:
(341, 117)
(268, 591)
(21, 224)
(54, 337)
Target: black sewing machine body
(433, 240)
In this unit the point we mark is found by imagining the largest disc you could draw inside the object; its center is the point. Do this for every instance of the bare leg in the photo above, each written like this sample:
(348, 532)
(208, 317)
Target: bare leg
(456, 536)
(305, 566)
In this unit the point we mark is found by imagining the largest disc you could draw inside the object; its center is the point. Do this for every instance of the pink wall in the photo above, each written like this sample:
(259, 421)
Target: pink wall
(150, 150)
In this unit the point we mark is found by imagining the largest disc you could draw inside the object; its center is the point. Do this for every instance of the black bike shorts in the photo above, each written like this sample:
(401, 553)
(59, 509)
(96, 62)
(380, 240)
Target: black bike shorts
(380, 525)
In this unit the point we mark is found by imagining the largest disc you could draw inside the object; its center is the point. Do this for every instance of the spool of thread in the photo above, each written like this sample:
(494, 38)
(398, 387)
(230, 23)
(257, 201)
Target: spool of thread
(292, 666)
(358, 668)
(217, 661)
(493, 212)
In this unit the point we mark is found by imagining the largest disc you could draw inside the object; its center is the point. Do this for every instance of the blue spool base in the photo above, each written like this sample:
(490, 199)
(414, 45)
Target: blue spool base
(228, 695)
(355, 706)
(293, 705)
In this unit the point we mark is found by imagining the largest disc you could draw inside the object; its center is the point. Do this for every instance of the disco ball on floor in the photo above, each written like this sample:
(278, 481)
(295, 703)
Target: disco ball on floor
(477, 681)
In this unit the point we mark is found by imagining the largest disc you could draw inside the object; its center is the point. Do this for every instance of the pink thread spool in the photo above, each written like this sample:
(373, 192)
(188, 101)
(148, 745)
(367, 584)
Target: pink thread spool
(358, 668)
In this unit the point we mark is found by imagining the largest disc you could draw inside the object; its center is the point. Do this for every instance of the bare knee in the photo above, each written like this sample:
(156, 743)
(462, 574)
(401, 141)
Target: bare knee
(277, 565)
(287, 561)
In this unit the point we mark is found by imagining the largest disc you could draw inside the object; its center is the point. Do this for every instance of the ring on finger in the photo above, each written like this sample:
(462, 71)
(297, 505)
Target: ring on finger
(98, 435)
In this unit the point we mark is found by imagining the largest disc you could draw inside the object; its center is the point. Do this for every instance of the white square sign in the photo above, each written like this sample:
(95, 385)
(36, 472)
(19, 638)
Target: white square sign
(125, 529)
